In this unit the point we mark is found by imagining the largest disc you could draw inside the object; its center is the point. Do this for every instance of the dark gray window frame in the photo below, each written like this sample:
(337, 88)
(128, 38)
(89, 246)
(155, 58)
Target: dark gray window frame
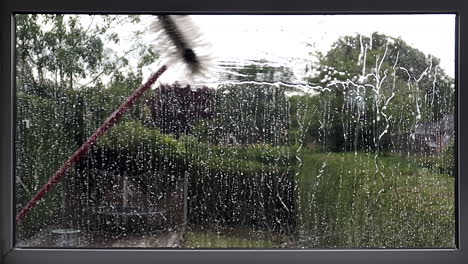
(9, 254)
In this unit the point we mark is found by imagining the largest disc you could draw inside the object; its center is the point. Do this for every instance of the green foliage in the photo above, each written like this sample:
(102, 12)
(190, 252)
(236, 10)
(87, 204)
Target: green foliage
(130, 136)
(377, 87)
(42, 144)
(257, 115)
(58, 49)
(59, 52)
(214, 170)
(449, 162)
(304, 114)
(133, 136)
(53, 117)
(147, 56)
(440, 163)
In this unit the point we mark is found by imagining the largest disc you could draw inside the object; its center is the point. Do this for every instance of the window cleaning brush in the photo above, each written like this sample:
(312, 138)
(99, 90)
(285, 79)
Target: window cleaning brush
(183, 46)
(177, 39)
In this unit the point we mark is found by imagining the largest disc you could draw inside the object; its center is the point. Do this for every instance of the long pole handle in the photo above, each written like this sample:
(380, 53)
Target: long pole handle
(110, 121)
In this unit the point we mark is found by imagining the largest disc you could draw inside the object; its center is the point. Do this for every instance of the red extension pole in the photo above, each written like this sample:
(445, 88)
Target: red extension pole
(110, 121)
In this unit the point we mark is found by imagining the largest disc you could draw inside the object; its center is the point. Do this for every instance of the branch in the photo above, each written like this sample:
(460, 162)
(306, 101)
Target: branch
(103, 71)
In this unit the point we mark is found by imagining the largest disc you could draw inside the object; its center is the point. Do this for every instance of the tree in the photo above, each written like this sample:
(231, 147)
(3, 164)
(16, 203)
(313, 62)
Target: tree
(55, 111)
(53, 51)
(376, 87)
(248, 114)
(60, 52)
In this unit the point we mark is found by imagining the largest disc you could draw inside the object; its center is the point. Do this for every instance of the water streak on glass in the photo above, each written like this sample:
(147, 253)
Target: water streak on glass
(330, 135)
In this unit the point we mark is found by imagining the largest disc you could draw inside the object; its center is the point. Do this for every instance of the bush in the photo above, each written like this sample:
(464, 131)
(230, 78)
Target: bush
(224, 180)
(43, 142)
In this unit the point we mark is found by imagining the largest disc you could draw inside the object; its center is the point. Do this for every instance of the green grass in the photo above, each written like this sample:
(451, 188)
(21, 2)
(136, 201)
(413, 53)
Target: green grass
(349, 200)
(235, 238)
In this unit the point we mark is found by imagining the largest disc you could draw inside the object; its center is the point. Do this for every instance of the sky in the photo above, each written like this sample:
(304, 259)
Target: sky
(287, 35)
(284, 39)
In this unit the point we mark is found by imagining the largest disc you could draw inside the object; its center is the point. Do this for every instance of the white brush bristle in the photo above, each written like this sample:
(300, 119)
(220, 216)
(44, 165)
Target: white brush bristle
(172, 55)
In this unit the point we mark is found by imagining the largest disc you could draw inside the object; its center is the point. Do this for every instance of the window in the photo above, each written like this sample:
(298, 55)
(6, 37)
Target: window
(323, 154)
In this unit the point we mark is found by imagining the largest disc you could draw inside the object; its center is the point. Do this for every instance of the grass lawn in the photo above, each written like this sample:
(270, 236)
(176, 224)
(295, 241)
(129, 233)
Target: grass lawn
(349, 200)
(235, 238)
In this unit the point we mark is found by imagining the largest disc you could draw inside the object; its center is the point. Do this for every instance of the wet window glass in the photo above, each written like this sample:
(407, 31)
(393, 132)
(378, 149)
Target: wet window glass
(258, 131)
